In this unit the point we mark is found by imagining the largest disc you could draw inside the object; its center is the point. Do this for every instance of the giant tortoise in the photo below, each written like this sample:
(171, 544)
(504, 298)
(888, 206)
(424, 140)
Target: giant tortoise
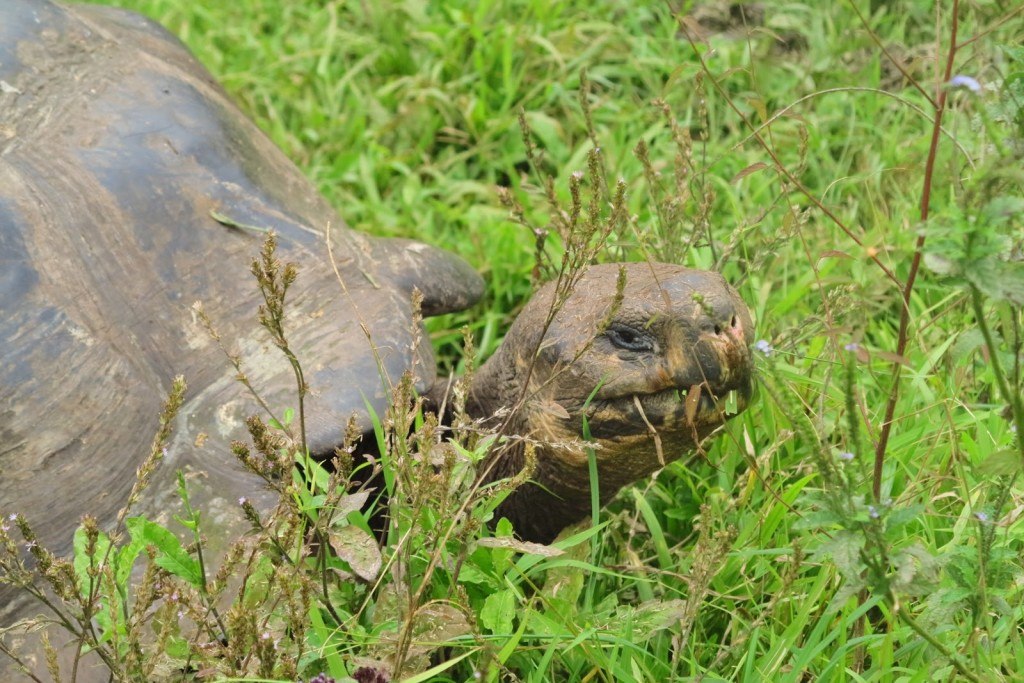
(126, 172)
(118, 149)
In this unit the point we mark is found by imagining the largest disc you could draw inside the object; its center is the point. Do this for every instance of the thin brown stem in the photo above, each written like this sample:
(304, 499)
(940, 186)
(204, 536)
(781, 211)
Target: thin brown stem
(915, 264)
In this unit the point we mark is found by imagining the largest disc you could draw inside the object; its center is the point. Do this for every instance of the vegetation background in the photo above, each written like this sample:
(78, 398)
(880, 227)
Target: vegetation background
(793, 145)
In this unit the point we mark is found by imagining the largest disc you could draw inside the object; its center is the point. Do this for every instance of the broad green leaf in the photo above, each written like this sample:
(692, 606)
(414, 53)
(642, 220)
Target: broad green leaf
(941, 264)
(126, 557)
(844, 548)
(967, 342)
(1002, 208)
(433, 624)
(1014, 52)
(470, 573)
(500, 550)
(353, 502)
(498, 612)
(817, 519)
(998, 280)
(897, 517)
(170, 553)
(257, 585)
(915, 570)
(357, 548)
(1002, 462)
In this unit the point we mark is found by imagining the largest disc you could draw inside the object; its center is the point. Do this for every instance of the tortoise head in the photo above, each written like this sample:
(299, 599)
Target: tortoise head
(650, 372)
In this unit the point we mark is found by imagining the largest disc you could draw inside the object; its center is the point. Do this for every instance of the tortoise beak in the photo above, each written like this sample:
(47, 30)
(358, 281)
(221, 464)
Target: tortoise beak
(713, 351)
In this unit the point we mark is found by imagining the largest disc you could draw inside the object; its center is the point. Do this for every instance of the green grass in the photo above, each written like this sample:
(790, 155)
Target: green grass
(733, 565)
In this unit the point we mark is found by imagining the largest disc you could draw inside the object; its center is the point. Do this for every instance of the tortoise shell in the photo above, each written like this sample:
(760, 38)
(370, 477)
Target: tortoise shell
(126, 172)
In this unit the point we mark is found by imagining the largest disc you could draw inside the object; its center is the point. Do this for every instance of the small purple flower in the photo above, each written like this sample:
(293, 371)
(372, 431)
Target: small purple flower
(846, 455)
(265, 635)
(764, 347)
(30, 544)
(324, 678)
(243, 500)
(367, 674)
(13, 517)
(981, 516)
(852, 346)
(872, 512)
(962, 81)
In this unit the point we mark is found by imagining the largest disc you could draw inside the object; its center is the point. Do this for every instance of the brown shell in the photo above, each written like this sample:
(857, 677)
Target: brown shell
(116, 150)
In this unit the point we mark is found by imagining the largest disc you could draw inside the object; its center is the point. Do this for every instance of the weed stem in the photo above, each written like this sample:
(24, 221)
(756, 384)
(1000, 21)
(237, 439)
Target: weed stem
(915, 264)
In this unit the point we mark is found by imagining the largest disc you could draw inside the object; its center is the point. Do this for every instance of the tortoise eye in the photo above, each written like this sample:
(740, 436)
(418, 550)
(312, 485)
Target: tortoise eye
(629, 338)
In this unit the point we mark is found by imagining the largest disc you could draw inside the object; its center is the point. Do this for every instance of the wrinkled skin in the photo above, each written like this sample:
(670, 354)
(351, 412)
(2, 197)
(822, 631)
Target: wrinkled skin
(677, 333)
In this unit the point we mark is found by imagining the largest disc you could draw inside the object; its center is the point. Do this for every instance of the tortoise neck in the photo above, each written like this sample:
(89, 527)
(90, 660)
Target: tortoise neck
(549, 501)
(541, 507)
(495, 386)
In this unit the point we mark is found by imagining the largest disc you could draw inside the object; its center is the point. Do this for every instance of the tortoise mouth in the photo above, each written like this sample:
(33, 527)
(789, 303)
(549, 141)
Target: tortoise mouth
(692, 411)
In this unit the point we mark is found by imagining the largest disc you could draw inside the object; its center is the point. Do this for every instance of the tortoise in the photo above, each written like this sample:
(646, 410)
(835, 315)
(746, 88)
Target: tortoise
(127, 173)
(652, 375)
(118, 151)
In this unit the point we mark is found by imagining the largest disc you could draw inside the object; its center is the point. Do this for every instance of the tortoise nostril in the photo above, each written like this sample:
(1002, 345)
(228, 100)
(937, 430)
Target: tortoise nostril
(734, 322)
(718, 329)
